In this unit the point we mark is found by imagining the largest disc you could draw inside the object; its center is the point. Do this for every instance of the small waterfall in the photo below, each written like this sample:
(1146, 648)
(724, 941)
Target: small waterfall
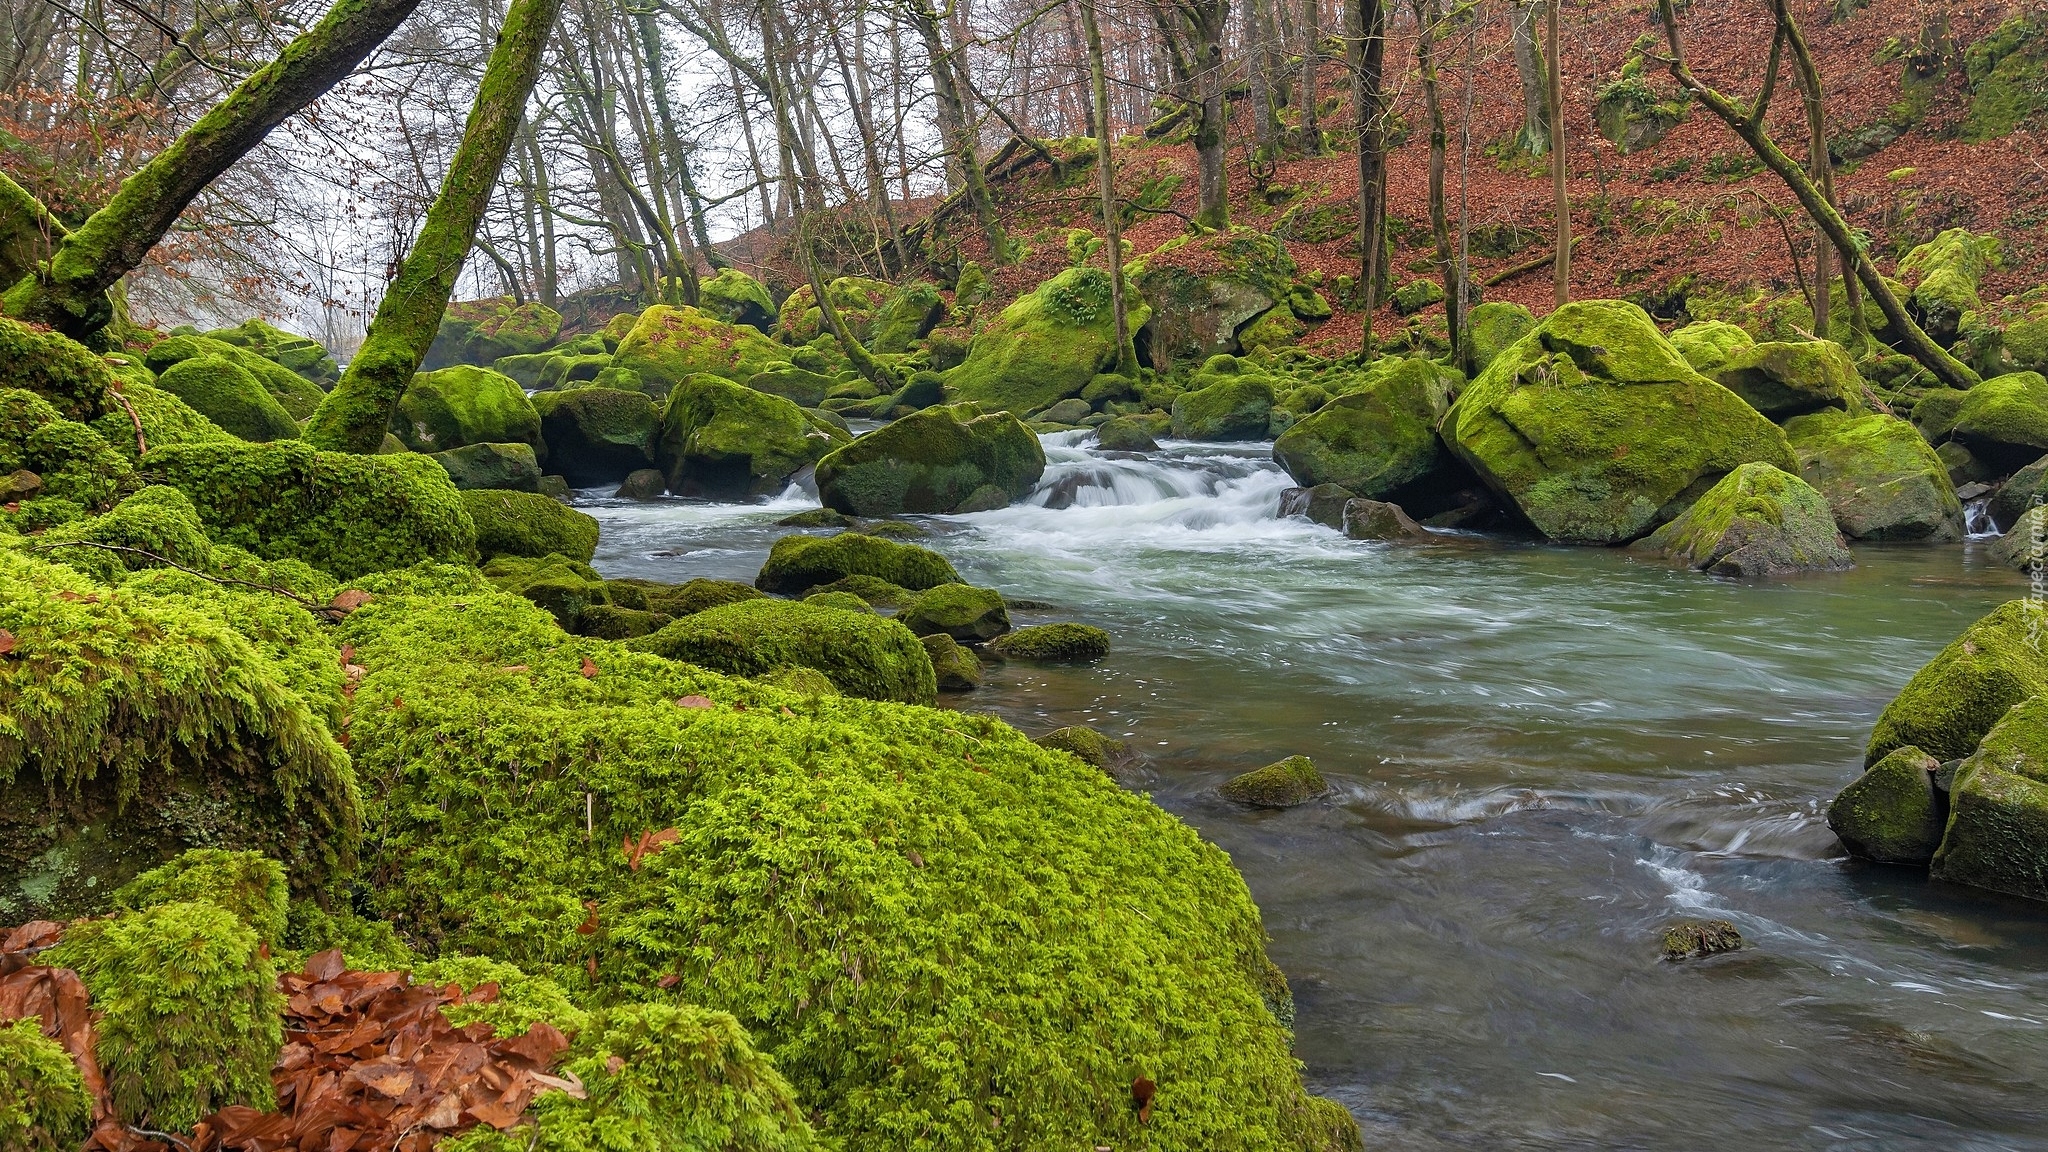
(1977, 518)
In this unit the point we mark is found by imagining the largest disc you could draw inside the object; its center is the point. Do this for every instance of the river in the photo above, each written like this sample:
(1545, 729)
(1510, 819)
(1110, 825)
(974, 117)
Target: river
(1541, 756)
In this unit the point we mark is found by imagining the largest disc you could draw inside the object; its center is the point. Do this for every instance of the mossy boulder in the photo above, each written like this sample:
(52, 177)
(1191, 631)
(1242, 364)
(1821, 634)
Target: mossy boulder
(157, 520)
(968, 614)
(463, 405)
(597, 435)
(954, 668)
(1598, 431)
(684, 599)
(723, 439)
(803, 388)
(480, 331)
(1707, 344)
(942, 459)
(1880, 477)
(293, 392)
(2008, 75)
(1695, 939)
(1202, 291)
(1493, 327)
(1046, 346)
(856, 298)
(1088, 746)
(1997, 835)
(570, 369)
(567, 588)
(1944, 275)
(668, 345)
(2024, 489)
(165, 419)
(512, 467)
(230, 397)
(339, 512)
(526, 524)
(1225, 401)
(1785, 379)
(44, 1106)
(1416, 295)
(1379, 520)
(798, 563)
(1893, 813)
(863, 654)
(733, 297)
(62, 371)
(299, 354)
(1053, 644)
(1123, 434)
(1632, 115)
(1948, 706)
(2003, 421)
(1285, 784)
(906, 317)
(71, 461)
(1758, 521)
(1379, 440)
(248, 884)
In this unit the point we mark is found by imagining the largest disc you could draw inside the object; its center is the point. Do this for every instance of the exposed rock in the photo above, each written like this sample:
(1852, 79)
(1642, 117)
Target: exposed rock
(797, 564)
(1122, 434)
(2004, 421)
(817, 518)
(1089, 746)
(956, 668)
(481, 331)
(1948, 706)
(1997, 834)
(1692, 939)
(1323, 504)
(508, 466)
(905, 318)
(1416, 295)
(1053, 644)
(734, 297)
(2025, 489)
(1893, 813)
(856, 298)
(1203, 290)
(804, 389)
(1379, 438)
(1046, 346)
(1881, 479)
(1379, 520)
(597, 436)
(1944, 275)
(1758, 521)
(642, 484)
(1285, 784)
(939, 460)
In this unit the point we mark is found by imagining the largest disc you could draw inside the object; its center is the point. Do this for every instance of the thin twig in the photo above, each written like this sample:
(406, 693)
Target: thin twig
(141, 445)
(301, 601)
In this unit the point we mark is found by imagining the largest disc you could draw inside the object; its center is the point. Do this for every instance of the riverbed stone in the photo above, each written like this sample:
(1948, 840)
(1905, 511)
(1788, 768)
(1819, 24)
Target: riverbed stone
(725, 440)
(1782, 379)
(1892, 813)
(1284, 784)
(1046, 346)
(1998, 809)
(799, 563)
(1380, 520)
(1758, 521)
(1063, 643)
(2004, 421)
(642, 484)
(598, 436)
(968, 614)
(1948, 706)
(1322, 504)
(1226, 402)
(940, 460)
(1692, 939)
(462, 405)
(1379, 440)
(2024, 489)
(1123, 434)
(1088, 746)
(955, 667)
(508, 466)
(1880, 477)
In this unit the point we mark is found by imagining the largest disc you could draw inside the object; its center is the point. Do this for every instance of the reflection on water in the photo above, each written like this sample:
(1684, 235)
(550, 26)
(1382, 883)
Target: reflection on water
(1541, 756)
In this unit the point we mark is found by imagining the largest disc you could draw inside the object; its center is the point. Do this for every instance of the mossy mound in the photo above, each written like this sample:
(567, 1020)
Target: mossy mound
(1225, 402)
(230, 397)
(133, 726)
(1379, 440)
(944, 459)
(1493, 327)
(1892, 813)
(568, 589)
(797, 564)
(1758, 521)
(1783, 379)
(2004, 421)
(1416, 295)
(1997, 836)
(1707, 344)
(1202, 291)
(154, 522)
(856, 298)
(967, 614)
(873, 590)
(1280, 785)
(1948, 706)
(803, 388)
(73, 461)
(1881, 478)
(680, 599)
(187, 1017)
(481, 331)
(906, 317)
(733, 297)
(722, 439)
(464, 405)
(1598, 431)
(668, 345)
(1123, 434)
(597, 435)
(1088, 746)
(526, 524)
(845, 601)
(339, 512)
(165, 420)
(955, 668)
(1046, 346)
(511, 467)
(2008, 75)
(61, 371)
(1944, 274)
(293, 392)
(2024, 489)
(300, 354)
(249, 885)
(911, 912)
(863, 654)
(44, 1106)
(1053, 644)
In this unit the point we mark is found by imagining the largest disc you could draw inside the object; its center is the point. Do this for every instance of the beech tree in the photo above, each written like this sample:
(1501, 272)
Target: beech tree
(1112, 208)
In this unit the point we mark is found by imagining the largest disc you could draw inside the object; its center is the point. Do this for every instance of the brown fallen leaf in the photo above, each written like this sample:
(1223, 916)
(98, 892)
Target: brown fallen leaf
(6, 641)
(589, 925)
(348, 600)
(589, 669)
(694, 702)
(1141, 1094)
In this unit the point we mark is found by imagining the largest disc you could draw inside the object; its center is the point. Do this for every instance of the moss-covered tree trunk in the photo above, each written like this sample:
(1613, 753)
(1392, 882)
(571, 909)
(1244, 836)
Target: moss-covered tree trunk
(69, 291)
(353, 417)
(28, 233)
(1212, 178)
(1367, 49)
(1560, 197)
(1310, 133)
(1112, 212)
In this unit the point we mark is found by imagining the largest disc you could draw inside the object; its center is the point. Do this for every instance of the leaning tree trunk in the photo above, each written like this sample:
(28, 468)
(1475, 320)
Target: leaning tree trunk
(69, 292)
(28, 233)
(353, 417)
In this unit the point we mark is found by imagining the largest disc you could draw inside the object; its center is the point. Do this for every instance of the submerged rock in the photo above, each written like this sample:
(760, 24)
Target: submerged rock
(1881, 479)
(1088, 746)
(1893, 813)
(797, 564)
(1758, 521)
(940, 460)
(1692, 939)
(1053, 644)
(1284, 784)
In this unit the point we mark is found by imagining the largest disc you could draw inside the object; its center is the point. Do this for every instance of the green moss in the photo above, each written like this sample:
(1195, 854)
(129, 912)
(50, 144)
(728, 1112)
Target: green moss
(1758, 521)
(2004, 421)
(1494, 326)
(1881, 478)
(61, 371)
(366, 945)
(1692, 939)
(230, 397)
(1204, 289)
(1784, 379)
(187, 1016)
(523, 999)
(44, 1106)
(1280, 785)
(873, 591)
(967, 614)
(1416, 295)
(1892, 813)
(566, 588)
(907, 316)
(798, 563)
(1948, 706)
(845, 601)
(248, 884)
(1046, 346)
(1378, 441)
(157, 520)
(511, 467)
(863, 654)
(680, 599)
(936, 460)
(570, 369)
(1086, 745)
(724, 439)
(463, 405)
(856, 297)
(1707, 344)
(2008, 74)
(1224, 403)
(165, 419)
(1123, 434)
(668, 345)
(297, 395)
(1053, 643)
(300, 354)
(1997, 834)
(734, 297)
(1944, 274)
(954, 667)
(806, 682)
(597, 435)
(527, 524)
(481, 331)
(341, 513)
(1598, 431)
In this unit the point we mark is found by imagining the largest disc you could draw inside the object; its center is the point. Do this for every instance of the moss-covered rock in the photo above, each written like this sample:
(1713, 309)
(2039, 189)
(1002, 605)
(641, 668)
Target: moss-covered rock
(1380, 440)
(1694, 939)
(733, 297)
(597, 435)
(1280, 785)
(1944, 275)
(1598, 431)
(967, 614)
(187, 1016)
(680, 599)
(512, 467)
(526, 524)
(44, 1106)
(668, 345)
(464, 405)
(906, 317)
(61, 371)
(341, 513)
(1416, 295)
(1225, 402)
(1707, 344)
(803, 388)
(164, 418)
(856, 298)
(1633, 116)
(248, 884)
(724, 439)
(72, 462)
(1203, 290)
(1088, 746)
(300, 354)
(1046, 346)
(1892, 813)
(1758, 521)
(231, 398)
(293, 392)
(1123, 434)
(863, 654)
(798, 563)
(873, 591)
(481, 331)
(1782, 379)
(1379, 520)
(566, 587)
(1493, 327)
(570, 369)
(2008, 75)
(1997, 834)
(940, 460)
(2003, 421)
(954, 668)
(1880, 477)
(1948, 706)
(1053, 644)
(156, 522)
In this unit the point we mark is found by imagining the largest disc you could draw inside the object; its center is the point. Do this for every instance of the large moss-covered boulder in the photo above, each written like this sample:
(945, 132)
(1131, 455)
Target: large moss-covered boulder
(293, 392)
(481, 331)
(1225, 402)
(1598, 431)
(1783, 379)
(1758, 521)
(803, 388)
(1046, 346)
(799, 563)
(1880, 477)
(1204, 290)
(597, 435)
(1997, 835)
(2003, 421)
(1893, 813)
(861, 653)
(568, 588)
(856, 298)
(668, 345)
(1379, 441)
(1948, 706)
(341, 513)
(733, 297)
(968, 614)
(172, 714)
(1944, 275)
(464, 405)
(526, 524)
(224, 393)
(1493, 327)
(1707, 344)
(62, 371)
(300, 354)
(71, 462)
(512, 467)
(907, 316)
(942, 459)
(726, 440)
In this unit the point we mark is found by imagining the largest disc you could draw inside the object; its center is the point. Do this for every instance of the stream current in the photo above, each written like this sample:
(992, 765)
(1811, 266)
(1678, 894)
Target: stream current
(1541, 756)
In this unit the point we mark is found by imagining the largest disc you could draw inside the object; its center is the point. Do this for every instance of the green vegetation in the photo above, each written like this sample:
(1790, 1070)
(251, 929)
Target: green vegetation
(944, 459)
(527, 524)
(726, 440)
(798, 563)
(1044, 347)
(863, 654)
(1053, 644)
(1282, 785)
(1948, 706)
(463, 405)
(668, 345)
(43, 1103)
(224, 393)
(1758, 521)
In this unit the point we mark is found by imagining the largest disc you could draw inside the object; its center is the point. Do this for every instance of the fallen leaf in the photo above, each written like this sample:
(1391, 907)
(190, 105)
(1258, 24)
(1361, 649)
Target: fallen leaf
(6, 641)
(348, 600)
(589, 925)
(589, 669)
(1141, 1094)
(694, 702)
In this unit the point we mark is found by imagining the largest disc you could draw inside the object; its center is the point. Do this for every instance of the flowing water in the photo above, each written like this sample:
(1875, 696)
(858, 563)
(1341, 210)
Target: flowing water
(1542, 755)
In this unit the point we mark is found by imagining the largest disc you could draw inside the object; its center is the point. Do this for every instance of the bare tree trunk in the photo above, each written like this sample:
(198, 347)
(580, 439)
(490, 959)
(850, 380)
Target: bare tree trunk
(353, 417)
(1367, 49)
(1427, 17)
(1112, 210)
(957, 130)
(1264, 126)
(878, 189)
(1311, 138)
(1213, 210)
(1467, 296)
(1561, 274)
(1534, 137)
